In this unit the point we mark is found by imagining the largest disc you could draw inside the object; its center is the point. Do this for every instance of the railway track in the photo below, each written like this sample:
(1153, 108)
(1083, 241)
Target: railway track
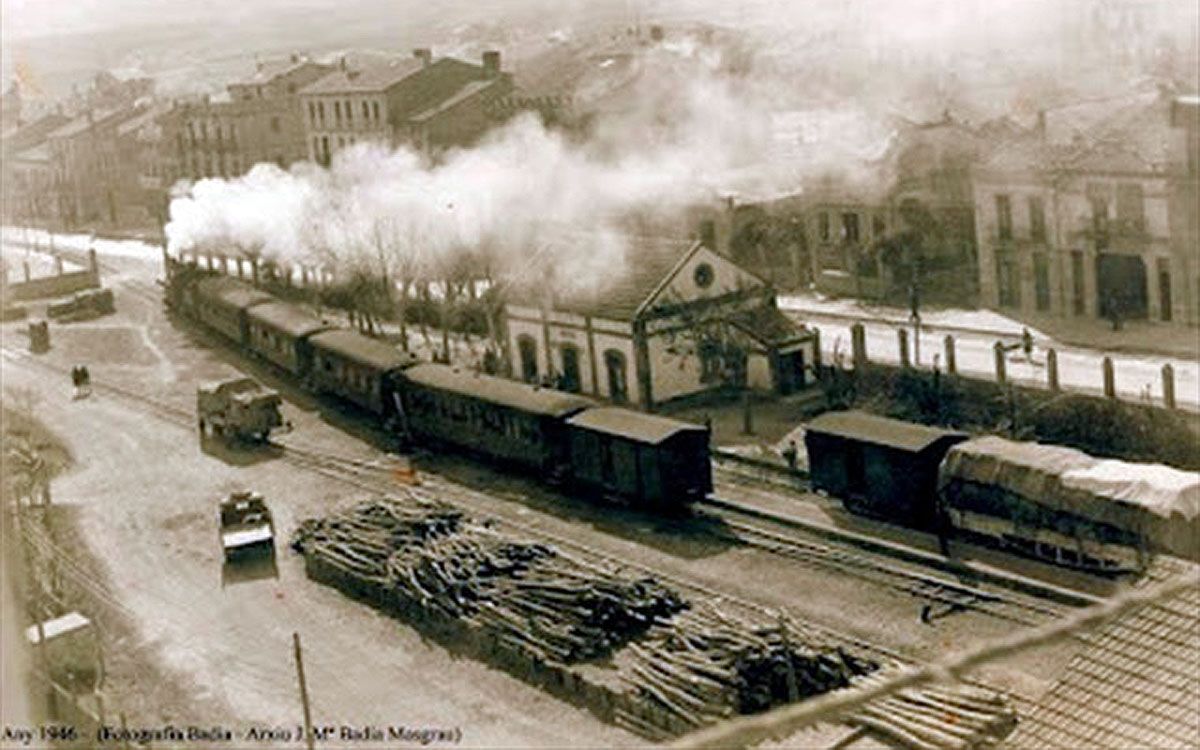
(935, 590)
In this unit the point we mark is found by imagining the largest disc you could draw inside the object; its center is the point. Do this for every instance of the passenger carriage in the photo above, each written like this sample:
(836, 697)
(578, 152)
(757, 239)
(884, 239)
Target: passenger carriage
(221, 303)
(356, 368)
(502, 419)
(279, 333)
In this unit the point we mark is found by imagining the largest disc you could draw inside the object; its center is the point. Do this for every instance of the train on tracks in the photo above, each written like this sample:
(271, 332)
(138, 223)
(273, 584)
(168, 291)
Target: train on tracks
(1046, 501)
(644, 460)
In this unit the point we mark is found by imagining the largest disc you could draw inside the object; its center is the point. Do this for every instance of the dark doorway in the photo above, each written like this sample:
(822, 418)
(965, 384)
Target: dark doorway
(1164, 289)
(789, 372)
(1121, 286)
(570, 372)
(618, 388)
(528, 353)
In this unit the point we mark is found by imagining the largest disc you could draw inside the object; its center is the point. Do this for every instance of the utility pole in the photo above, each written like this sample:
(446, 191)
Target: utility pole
(308, 731)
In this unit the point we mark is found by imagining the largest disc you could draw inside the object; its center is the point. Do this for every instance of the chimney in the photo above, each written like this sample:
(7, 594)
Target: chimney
(425, 55)
(491, 63)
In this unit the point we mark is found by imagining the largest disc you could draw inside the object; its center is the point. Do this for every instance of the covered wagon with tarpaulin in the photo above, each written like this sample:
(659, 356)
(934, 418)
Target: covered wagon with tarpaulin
(1061, 504)
(878, 465)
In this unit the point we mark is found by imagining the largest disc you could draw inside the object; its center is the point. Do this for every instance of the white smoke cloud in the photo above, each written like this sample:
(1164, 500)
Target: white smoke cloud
(683, 127)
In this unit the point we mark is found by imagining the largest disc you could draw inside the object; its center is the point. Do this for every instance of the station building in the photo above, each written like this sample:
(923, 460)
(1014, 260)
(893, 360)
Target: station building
(679, 320)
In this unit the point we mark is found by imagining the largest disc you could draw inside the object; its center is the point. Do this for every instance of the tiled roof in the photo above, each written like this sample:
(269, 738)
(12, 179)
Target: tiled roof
(768, 326)
(465, 92)
(101, 119)
(372, 78)
(1135, 685)
(648, 261)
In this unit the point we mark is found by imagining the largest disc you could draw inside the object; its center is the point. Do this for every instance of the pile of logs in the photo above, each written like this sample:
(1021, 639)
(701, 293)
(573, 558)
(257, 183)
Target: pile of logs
(709, 666)
(938, 717)
(531, 597)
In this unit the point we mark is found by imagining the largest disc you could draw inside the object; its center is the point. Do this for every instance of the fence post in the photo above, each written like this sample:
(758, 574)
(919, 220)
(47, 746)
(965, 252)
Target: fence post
(858, 345)
(951, 362)
(902, 340)
(816, 332)
(999, 356)
(1052, 369)
(1168, 385)
(1110, 381)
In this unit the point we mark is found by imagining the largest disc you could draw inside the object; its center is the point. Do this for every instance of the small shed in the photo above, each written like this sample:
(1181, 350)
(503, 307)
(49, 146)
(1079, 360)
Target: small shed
(883, 466)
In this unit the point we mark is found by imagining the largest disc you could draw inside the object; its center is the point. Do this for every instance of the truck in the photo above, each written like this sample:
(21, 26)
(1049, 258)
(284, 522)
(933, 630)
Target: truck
(238, 409)
(247, 528)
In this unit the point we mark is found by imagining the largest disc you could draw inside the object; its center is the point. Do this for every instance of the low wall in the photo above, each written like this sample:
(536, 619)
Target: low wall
(59, 285)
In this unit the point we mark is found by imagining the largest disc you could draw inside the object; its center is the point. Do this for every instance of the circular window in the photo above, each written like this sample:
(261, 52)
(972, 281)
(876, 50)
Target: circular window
(703, 275)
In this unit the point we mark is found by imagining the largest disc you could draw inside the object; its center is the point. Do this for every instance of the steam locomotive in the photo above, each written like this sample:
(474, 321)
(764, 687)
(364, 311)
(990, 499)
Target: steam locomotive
(644, 460)
(1051, 502)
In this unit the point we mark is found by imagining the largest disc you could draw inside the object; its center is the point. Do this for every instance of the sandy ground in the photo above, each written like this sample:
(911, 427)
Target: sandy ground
(144, 491)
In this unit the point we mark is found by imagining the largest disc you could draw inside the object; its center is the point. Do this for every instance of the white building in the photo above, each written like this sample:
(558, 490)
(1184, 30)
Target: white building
(680, 320)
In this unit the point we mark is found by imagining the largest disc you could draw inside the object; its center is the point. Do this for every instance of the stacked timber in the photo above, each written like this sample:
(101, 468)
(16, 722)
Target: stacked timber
(709, 666)
(938, 717)
(528, 596)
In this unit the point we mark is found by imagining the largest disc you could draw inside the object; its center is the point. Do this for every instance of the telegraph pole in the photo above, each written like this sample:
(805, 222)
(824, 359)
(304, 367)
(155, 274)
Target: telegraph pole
(308, 731)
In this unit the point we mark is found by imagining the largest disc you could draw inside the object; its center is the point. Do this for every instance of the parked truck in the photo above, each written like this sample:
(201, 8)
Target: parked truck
(246, 527)
(238, 409)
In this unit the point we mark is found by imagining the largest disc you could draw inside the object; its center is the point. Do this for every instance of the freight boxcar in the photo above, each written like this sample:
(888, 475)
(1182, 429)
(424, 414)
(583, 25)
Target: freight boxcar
(356, 368)
(502, 419)
(221, 303)
(279, 332)
(880, 466)
(644, 459)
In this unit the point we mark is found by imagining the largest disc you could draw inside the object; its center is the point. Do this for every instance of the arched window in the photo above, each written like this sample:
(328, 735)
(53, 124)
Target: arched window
(618, 382)
(528, 353)
(570, 380)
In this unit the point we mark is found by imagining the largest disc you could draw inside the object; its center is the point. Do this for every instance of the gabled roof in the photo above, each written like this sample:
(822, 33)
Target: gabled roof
(862, 427)
(649, 262)
(637, 426)
(1136, 684)
(371, 78)
(352, 345)
(520, 396)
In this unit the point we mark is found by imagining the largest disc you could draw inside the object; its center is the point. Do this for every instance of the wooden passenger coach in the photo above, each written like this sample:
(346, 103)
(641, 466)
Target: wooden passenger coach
(221, 303)
(499, 418)
(643, 458)
(356, 368)
(880, 466)
(278, 331)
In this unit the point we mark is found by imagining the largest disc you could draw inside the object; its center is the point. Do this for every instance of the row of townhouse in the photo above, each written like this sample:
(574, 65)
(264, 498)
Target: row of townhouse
(1098, 229)
(1091, 212)
(117, 166)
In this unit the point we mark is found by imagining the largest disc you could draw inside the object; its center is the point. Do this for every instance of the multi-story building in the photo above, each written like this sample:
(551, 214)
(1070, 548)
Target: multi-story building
(259, 121)
(430, 104)
(1183, 170)
(26, 174)
(1093, 228)
(85, 162)
(844, 223)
